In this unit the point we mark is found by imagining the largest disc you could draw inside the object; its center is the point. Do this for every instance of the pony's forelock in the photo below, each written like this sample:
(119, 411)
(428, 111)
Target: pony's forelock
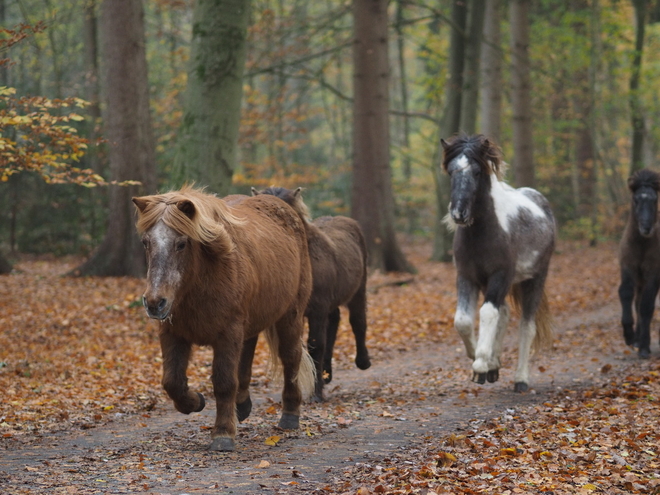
(478, 148)
(206, 225)
(644, 178)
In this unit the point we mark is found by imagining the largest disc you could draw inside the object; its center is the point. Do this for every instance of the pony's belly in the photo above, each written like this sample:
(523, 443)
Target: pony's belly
(526, 266)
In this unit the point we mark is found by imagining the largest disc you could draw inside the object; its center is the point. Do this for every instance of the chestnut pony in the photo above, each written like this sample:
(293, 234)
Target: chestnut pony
(218, 276)
(338, 253)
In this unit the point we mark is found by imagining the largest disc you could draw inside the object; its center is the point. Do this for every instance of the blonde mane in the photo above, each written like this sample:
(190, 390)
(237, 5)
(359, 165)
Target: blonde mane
(206, 225)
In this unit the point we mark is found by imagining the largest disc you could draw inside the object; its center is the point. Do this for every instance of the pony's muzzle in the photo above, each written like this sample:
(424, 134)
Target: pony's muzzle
(158, 309)
(460, 217)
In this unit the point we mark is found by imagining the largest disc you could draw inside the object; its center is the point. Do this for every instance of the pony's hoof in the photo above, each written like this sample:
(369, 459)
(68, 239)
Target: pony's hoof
(317, 399)
(364, 363)
(479, 378)
(222, 444)
(202, 403)
(644, 353)
(520, 387)
(492, 376)
(244, 409)
(289, 421)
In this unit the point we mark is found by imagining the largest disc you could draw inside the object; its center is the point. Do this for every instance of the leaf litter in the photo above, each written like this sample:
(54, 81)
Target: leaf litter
(78, 353)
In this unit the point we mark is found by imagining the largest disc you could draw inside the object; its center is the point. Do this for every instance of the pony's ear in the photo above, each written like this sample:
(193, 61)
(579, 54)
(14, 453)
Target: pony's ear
(297, 192)
(444, 144)
(186, 207)
(254, 191)
(631, 183)
(141, 203)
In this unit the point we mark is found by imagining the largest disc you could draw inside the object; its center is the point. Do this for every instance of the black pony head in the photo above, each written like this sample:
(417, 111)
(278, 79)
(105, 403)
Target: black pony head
(469, 161)
(644, 186)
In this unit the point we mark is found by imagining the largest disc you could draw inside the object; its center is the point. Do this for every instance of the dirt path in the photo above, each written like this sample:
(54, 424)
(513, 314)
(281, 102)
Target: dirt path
(410, 398)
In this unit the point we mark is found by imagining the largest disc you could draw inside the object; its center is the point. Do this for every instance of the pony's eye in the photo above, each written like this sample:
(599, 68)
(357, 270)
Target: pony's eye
(181, 245)
(145, 243)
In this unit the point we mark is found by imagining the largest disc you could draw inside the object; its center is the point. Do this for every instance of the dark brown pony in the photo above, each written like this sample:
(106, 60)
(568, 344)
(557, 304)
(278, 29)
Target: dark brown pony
(338, 254)
(639, 258)
(218, 276)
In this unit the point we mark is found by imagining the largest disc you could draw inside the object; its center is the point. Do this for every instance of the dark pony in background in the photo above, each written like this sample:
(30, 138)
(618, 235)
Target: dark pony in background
(639, 258)
(338, 254)
(218, 276)
(502, 245)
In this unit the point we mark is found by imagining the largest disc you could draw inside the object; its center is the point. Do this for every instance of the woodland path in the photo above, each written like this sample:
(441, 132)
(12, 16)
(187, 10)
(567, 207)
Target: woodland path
(409, 399)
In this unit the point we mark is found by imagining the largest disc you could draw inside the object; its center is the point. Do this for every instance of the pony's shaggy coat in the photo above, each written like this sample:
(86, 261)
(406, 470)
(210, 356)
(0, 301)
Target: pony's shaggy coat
(639, 258)
(219, 274)
(338, 254)
(503, 243)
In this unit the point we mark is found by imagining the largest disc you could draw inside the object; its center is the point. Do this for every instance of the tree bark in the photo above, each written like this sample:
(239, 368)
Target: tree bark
(470, 97)
(372, 196)
(636, 111)
(491, 73)
(208, 139)
(451, 122)
(523, 147)
(130, 137)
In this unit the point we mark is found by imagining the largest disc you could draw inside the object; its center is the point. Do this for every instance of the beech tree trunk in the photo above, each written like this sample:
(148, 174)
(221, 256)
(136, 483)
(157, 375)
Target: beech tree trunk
(636, 111)
(208, 139)
(451, 122)
(130, 138)
(372, 196)
(491, 73)
(523, 146)
(470, 97)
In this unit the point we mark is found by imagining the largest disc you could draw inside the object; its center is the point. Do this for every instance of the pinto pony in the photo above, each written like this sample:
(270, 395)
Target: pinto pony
(218, 276)
(639, 258)
(503, 243)
(338, 254)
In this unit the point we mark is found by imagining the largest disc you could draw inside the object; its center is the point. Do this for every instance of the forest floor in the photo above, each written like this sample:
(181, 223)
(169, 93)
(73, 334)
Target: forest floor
(83, 410)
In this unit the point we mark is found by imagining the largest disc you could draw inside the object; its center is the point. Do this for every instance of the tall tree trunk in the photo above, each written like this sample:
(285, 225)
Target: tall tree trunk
(451, 122)
(491, 73)
(523, 148)
(208, 139)
(410, 212)
(372, 196)
(636, 111)
(5, 266)
(90, 31)
(130, 137)
(470, 97)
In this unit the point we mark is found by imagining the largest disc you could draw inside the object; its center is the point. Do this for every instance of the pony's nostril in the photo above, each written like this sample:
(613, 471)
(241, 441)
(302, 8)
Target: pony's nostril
(144, 302)
(161, 304)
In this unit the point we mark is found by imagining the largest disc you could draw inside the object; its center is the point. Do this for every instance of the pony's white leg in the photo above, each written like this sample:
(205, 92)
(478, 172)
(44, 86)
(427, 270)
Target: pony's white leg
(494, 363)
(468, 295)
(489, 317)
(527, 333)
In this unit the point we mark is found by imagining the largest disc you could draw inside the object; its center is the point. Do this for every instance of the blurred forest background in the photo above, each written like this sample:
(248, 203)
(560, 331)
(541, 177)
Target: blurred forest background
(593, 101)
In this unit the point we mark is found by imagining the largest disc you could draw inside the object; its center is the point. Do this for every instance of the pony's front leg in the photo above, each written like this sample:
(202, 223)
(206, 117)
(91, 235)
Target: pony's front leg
(468, 295)
(646, 309)
(226, 356)
(489, 319)
(176, 355)
(494, 366)
(626, 296)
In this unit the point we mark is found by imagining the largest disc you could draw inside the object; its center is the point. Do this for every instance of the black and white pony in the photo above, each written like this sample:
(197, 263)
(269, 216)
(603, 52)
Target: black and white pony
(639, 258)
(502, 245)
